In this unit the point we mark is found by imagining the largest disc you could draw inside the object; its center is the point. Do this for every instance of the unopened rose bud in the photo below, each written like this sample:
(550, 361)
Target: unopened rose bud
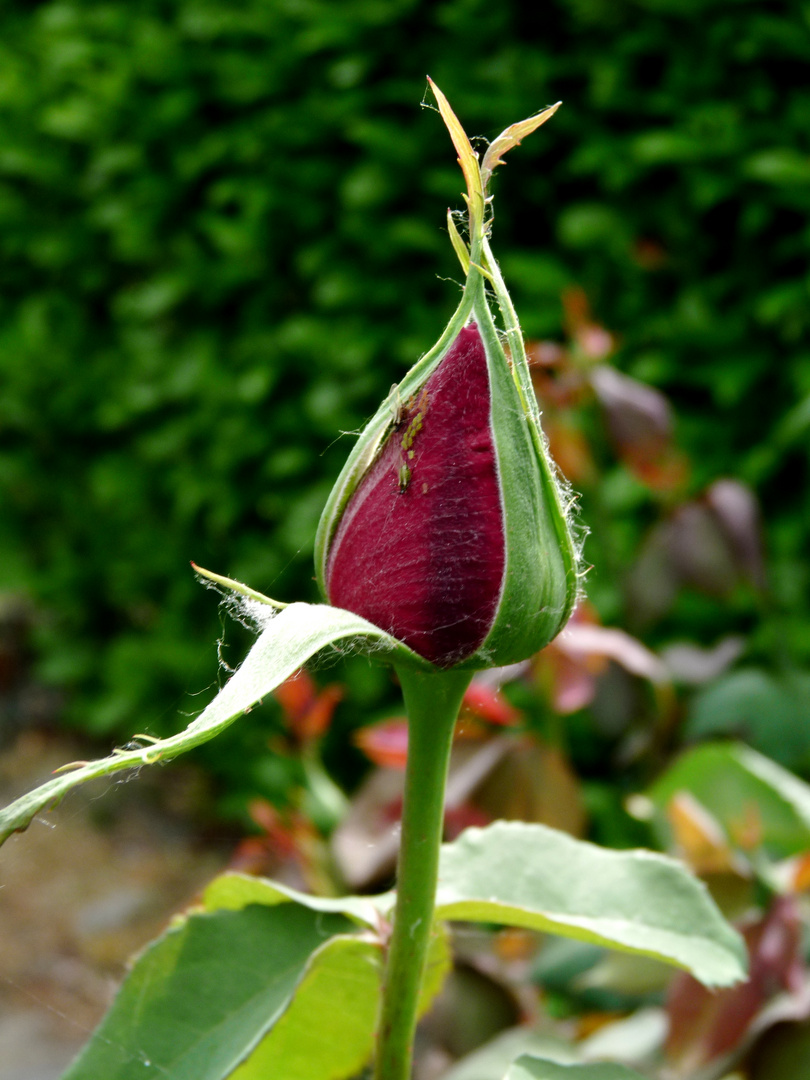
(447, 527)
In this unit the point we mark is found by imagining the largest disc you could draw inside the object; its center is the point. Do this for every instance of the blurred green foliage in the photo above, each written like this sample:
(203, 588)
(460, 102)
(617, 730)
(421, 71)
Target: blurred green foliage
(222, 239)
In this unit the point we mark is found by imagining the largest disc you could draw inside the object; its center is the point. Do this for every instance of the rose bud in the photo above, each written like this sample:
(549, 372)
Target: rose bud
(448, 527)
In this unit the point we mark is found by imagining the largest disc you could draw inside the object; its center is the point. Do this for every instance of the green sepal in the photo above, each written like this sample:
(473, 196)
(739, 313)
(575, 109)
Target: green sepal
(541, 582)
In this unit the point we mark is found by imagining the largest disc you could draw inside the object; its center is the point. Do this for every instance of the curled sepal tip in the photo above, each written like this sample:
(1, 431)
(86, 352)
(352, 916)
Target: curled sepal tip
(512, 136)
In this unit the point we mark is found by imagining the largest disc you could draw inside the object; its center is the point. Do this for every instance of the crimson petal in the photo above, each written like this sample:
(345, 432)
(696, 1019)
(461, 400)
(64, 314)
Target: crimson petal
(420, 549)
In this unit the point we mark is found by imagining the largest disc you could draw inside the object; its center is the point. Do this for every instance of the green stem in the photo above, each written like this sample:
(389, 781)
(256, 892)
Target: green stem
(432, 701)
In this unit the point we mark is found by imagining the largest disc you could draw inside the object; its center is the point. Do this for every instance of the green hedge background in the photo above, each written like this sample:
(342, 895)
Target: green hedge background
(222, 236)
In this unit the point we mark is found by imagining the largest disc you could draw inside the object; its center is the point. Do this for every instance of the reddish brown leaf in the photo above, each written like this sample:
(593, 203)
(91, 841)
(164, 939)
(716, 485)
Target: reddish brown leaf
(649, 254)
(465, 816)
(592, 644)
(307, 711)
(570, 683)
(386, 743)
(639, 422)
(736, 510)
(693, 664)
(801, 873)
(289, 849)
(545, 354)
(699, 837)
(569, 667)
(570, 449)
(533, 782)
(705, 1025)
(484, 702)
(699, 545)
(295, 694)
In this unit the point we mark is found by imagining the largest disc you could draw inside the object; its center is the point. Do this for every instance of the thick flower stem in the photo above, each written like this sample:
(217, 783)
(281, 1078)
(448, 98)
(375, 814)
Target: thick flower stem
(432, 701)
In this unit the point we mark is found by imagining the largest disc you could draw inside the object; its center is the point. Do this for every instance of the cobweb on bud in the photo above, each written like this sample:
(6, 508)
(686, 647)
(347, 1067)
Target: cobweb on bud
(255, 615)
(250, 611)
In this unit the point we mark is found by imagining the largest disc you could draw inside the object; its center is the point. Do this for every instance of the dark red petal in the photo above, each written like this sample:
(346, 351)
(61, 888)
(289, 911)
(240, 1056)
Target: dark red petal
(420, 548)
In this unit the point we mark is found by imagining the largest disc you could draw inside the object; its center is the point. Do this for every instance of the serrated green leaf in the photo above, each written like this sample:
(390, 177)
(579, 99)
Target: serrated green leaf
(637, 901)
(289, 640)
(532, 1068)
(202, 997)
